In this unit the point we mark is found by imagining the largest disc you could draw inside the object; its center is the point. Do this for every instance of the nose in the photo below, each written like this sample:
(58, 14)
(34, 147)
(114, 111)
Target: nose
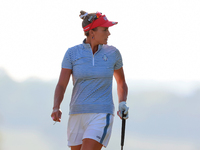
(108, 32)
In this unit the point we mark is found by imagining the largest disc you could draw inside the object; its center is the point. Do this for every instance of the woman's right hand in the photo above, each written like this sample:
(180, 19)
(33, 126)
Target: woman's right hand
(56, 115)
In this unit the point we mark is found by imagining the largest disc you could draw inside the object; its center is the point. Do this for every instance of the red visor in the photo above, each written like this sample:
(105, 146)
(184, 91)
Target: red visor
(102, 21)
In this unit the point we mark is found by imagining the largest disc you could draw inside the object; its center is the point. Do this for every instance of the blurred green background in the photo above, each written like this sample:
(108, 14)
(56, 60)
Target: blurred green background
(163, 116)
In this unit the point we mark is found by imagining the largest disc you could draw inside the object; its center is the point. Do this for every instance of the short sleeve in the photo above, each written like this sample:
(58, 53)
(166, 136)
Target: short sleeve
(67, 62)
(119, 62)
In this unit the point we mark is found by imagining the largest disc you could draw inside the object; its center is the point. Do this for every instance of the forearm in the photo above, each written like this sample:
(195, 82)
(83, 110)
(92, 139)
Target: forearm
(122, 91)
(58, 96)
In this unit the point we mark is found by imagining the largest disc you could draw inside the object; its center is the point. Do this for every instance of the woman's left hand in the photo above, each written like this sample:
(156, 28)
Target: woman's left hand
(123, 108)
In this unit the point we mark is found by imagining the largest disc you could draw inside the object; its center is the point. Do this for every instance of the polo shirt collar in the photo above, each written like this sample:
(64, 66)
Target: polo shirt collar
(87, 46)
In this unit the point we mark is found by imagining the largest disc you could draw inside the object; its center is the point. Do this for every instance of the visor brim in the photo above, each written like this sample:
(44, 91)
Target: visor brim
(109, 24)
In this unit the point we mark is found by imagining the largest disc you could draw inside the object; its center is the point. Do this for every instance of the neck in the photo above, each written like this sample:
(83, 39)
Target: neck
(93, 45)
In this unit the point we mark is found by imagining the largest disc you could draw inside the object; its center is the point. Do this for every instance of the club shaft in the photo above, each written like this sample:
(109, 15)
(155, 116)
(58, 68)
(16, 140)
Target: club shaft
(123, 130)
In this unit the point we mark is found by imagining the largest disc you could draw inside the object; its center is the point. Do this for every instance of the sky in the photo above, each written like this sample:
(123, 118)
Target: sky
(158, 39)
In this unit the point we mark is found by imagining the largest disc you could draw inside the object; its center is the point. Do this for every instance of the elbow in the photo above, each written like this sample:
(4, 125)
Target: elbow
(60, 88)
(126, 87)
(123, 85)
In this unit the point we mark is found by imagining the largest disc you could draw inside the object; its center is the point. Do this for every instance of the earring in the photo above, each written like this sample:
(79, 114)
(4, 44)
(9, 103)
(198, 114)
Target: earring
(92, 37)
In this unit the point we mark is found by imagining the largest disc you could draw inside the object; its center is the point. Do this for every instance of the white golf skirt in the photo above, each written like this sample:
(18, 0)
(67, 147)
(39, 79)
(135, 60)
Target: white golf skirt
(96, 126)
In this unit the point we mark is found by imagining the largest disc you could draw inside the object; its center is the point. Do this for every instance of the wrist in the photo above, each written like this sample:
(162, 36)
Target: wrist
(122, 102)
(56, 108)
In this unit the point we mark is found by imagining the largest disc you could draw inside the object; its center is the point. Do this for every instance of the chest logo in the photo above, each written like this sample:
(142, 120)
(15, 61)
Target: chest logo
(105, 58)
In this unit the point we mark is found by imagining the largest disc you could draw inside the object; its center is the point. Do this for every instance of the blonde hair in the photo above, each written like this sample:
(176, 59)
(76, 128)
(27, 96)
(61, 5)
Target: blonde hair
(87, 19)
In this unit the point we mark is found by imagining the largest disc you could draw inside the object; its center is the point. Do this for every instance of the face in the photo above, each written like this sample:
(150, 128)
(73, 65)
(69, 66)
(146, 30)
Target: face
(101, 35)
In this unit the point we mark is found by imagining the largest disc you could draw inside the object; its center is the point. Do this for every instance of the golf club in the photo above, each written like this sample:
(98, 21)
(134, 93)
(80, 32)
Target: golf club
(123, 130)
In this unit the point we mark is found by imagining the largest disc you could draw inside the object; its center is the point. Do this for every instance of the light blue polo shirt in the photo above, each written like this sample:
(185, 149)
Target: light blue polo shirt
(92, 77)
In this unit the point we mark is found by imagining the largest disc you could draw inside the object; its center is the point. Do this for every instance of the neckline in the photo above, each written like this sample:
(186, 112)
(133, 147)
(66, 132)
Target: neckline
(88, 47)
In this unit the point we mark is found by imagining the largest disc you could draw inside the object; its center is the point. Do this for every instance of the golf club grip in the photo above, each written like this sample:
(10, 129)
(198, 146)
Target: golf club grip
(123, 129)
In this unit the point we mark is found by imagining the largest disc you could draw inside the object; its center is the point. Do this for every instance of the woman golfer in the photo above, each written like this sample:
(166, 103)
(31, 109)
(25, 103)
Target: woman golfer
(92, 65)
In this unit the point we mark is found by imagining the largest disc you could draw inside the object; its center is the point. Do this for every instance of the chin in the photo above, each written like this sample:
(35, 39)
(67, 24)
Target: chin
(105, 42)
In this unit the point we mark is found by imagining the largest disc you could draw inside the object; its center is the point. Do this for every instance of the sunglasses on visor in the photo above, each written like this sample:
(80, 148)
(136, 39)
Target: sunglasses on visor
(92, 18)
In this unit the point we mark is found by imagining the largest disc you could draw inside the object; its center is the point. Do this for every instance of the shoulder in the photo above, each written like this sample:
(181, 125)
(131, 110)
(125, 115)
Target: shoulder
(110, 47)
(73, 52)
(75, 48)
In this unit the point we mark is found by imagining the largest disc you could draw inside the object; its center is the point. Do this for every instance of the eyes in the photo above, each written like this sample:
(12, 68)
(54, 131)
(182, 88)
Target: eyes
(103, 29)
(106, 29)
